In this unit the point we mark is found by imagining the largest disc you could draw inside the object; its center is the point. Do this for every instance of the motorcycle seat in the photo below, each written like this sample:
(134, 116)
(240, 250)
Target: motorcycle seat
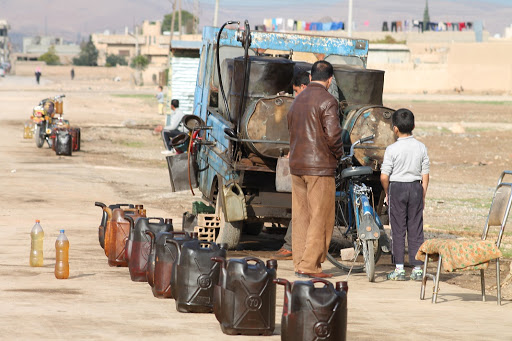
(356, 171)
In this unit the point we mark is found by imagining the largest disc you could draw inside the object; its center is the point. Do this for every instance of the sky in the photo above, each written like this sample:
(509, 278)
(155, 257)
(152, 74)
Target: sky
(76, 19)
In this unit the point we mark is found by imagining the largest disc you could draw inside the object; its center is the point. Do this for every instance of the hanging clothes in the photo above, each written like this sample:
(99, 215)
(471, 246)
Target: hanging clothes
(385, 26)
(308, 26)
(462, 26)
(289, 24)
(399, 26)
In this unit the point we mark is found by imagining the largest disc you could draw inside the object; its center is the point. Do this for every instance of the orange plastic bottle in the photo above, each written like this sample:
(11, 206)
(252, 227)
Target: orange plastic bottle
(62, 256)
(36, 248)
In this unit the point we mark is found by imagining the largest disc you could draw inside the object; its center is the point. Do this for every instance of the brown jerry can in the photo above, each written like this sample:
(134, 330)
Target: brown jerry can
(312, 313)
(136, 213)
(150, 270)
(141, 245)
(118, 232)
(166, 259)
(196, 274)
(244, 300)
(106, 215)
(76, 136)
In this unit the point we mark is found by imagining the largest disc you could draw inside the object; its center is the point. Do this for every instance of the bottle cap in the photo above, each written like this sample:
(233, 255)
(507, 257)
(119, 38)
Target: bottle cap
(61, 231)
(38, 221)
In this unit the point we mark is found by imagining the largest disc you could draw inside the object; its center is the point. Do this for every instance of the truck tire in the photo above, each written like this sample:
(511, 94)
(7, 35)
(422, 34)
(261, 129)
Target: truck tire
(229, 232)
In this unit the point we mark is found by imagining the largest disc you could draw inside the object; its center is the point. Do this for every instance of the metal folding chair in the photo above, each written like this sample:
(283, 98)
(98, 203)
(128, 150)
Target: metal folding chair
(498, 214)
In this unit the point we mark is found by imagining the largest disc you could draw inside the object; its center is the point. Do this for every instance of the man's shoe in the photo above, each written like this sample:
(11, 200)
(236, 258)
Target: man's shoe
(417, 275)
(312, 275)
(396, 275)
(283, 254)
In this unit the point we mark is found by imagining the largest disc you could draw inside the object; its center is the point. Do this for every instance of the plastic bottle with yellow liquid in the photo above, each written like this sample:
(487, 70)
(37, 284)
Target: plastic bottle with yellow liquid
(36, 248)
(62, 256)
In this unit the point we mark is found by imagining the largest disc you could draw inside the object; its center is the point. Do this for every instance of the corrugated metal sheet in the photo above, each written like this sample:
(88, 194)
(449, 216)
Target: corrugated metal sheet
(183, 81)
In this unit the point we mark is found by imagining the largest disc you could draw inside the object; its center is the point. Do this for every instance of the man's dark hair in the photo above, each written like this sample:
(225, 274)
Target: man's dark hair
(175, 103)
(301, 78)
(321, 71)
(403, 119)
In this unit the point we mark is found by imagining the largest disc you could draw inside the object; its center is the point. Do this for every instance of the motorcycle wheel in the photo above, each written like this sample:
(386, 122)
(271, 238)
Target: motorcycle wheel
(39, 137)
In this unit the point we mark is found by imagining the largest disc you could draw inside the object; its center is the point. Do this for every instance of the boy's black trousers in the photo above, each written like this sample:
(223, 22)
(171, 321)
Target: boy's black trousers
(406, 216)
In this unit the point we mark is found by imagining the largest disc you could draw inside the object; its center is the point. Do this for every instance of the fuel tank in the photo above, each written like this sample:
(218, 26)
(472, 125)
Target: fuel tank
(357, 85)
(264, 117)
(364, 120)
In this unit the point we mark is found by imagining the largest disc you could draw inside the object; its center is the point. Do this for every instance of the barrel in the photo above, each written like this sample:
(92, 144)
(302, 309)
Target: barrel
(357, 85)
(365, 120)
(267, 77)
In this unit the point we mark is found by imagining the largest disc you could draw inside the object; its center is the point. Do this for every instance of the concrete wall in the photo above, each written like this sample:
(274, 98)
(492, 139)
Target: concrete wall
(475, 68)
(87, 73)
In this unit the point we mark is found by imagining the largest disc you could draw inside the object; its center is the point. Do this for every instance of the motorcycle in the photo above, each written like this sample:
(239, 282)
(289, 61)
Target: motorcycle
(44, 118)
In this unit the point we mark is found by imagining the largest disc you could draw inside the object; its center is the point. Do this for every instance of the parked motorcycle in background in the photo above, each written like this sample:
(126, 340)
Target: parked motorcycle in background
(53, 129)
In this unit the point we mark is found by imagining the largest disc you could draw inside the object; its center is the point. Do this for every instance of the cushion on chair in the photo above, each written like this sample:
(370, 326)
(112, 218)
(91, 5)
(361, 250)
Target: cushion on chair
(460, 254)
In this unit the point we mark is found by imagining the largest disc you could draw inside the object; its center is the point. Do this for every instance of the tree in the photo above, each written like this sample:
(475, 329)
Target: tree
(50, 57)
(139, 62)
(114, 59)
(88, 54)
(187, 20)
(426, 17)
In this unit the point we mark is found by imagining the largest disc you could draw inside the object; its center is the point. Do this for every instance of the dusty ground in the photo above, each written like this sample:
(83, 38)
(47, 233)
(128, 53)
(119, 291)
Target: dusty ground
(469, 145)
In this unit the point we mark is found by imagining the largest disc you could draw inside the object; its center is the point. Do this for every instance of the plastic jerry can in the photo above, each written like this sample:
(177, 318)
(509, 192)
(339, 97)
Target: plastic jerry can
(133, 212)
(234, 203)
(196, 274)
(63, 143)
(141, 245)
(150, 269)
(119, 231)
(314, 313)
(106, 215)
(245, 297)
(166, 259)
(36, 245)
(62, 256)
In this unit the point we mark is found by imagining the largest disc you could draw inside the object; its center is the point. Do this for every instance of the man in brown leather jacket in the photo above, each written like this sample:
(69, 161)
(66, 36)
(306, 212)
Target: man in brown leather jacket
(315, 147)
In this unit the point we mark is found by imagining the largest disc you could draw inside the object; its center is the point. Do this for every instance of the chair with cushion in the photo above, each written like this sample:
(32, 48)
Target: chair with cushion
(457, 254)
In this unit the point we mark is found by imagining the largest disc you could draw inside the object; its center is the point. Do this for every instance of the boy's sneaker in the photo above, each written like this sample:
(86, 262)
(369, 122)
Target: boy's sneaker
(396, 275)
(417, 275)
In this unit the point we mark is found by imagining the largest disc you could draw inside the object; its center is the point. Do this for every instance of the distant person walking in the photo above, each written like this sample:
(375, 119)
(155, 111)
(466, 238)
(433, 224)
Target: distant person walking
(160, 98)
(72, 74)
(38, 74)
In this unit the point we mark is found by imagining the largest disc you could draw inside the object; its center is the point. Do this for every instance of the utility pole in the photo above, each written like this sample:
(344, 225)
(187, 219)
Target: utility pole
(350, 18)
(216, 13)
(172, 20)
(179, 18)
(196, 15)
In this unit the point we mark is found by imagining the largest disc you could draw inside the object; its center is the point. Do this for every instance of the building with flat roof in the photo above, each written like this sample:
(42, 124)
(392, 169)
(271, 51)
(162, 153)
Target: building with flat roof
(147, 40)
(34, 47)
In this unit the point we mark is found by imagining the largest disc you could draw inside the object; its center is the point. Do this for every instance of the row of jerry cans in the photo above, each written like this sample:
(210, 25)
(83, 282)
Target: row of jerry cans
(240, 292)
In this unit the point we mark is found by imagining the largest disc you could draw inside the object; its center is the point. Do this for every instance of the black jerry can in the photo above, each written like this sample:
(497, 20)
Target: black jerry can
(196, 274)
(245, 297)
(314, 313)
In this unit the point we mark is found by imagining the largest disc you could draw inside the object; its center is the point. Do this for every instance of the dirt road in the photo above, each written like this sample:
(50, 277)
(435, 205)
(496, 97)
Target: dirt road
(117, 164)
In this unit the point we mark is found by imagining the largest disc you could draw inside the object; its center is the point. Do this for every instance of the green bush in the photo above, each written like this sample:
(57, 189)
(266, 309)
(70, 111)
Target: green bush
(50, 57)
(140, 62)
(88, 54)
(113, 60)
